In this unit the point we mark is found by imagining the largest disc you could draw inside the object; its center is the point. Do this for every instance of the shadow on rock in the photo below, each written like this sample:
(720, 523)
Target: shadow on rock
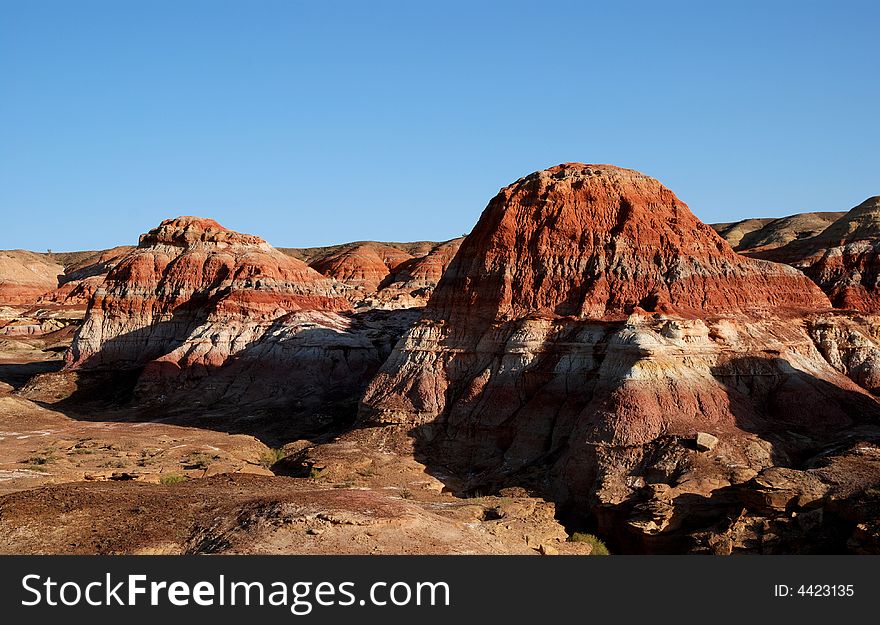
(544, 431)
(287, 385)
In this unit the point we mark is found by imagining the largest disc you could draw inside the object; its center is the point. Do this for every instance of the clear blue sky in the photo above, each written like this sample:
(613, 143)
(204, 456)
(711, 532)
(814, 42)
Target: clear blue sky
(317, 122)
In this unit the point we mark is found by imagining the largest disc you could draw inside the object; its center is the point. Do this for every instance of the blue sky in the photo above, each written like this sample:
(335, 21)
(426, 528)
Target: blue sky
(322, 122)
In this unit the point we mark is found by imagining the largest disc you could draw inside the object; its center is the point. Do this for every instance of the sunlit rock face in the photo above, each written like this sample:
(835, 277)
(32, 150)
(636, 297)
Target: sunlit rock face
(586, 332)
(213, 315)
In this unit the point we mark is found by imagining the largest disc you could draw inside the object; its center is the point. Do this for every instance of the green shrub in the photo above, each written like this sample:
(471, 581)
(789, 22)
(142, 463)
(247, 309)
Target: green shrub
(172, 478)
(271, 456)
(599, 547)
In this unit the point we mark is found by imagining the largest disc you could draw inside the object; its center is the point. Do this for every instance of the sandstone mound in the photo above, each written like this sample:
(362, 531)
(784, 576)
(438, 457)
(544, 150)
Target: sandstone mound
(363, 265)
(754, 235)
(843, 259)
(183, 273)
(597, 241)
(587, 340)
(219, 317)
(733, 232)
(384, 276)
(25, 276)
(412, 282)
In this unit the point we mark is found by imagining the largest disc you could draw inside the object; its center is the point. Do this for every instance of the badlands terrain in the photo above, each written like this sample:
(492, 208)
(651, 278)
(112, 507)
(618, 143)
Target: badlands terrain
(590, 359)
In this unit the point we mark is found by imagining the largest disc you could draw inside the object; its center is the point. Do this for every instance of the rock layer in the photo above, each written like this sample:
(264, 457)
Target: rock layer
(589, 328)
(187, 272)
(216, 316)
(843, 259)
(755, 235)
(25, 276)
(598, 241)
(382, 276)
(363, 265)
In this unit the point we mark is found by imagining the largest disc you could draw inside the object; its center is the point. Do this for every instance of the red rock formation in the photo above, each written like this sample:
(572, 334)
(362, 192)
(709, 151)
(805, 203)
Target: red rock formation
(585, 333)
(83, 273)
(73, 295)
(362, 265)
(385, 276)
(843, 259)
(182, 274)
(412, 282)
(25, 276)
(218, 318)
(82, 265)
(596, 241)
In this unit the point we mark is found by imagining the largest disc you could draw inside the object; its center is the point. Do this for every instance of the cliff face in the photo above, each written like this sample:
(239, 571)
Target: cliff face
(586, 338)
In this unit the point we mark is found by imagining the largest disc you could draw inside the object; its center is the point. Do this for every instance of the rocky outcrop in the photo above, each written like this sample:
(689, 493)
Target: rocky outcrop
(412, 282)
(756, 235)
(51, 292)
(73, 295)
(212, 315)
(188, 272)
(83, 273)
(843, 259)
(362, 266)
(598, 242)
(385, 276)
(830, 505)
(83, 265)
(734, 232)
(589, 329)
(25, 276)
(850, 344)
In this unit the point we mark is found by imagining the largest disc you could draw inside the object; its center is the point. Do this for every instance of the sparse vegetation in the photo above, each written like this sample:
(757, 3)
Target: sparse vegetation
(172, 478)
(197, 462)
(40, 460)
(314, 473)
(366, 472)
(148, 456)
(272, 455)
(599, 547)
(406, 493)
